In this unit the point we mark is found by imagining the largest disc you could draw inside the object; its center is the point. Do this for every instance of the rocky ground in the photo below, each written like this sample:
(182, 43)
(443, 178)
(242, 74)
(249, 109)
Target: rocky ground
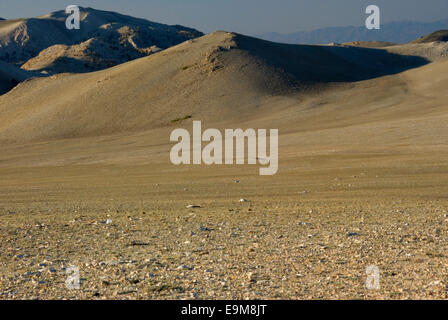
(285, 242)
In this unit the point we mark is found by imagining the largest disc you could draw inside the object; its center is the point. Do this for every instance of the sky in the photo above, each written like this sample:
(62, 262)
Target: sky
(251, 17)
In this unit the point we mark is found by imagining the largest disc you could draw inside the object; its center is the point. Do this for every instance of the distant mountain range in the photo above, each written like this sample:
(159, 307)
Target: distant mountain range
(105, 39)
(398, 32)
(43, 45)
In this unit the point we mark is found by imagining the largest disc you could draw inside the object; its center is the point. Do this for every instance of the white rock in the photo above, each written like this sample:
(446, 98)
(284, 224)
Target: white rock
(193, 206)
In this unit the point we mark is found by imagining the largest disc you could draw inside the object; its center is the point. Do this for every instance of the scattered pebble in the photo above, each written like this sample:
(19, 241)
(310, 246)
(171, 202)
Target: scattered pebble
(193, 206)
(352, 234)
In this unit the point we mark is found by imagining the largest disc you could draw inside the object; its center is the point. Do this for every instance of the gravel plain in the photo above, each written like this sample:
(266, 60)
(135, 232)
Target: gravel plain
(286, 242)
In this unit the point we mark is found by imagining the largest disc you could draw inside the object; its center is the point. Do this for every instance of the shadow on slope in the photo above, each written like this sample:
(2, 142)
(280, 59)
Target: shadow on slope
(326, 64)
(11, 76)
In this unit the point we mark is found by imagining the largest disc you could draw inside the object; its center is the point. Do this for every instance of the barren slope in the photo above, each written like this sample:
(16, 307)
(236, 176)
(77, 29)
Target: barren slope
(219, 77)
(441, 35)
(91, 55)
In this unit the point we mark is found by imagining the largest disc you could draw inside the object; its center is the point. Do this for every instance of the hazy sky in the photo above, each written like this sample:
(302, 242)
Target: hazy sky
(245, 16)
